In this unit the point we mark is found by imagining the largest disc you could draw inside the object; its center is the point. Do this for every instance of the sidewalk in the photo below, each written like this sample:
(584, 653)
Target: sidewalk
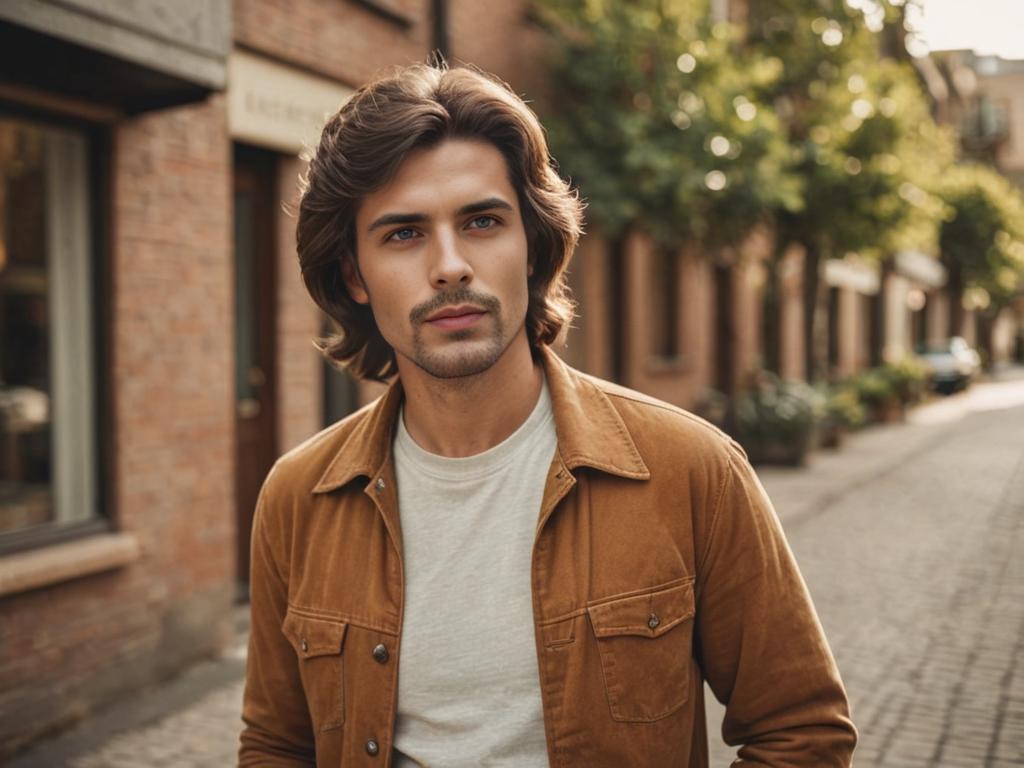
(191, 721)
(916, 572)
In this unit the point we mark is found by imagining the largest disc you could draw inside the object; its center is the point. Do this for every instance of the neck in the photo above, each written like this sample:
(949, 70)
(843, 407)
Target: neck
(466, 416)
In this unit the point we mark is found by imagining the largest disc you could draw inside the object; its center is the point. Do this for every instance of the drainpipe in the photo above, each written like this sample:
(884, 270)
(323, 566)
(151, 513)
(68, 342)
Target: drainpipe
(439, 37)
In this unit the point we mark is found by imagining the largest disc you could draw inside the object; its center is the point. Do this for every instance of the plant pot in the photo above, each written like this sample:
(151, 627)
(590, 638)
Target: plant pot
(790, 453)
(892, 411)
(832, 435)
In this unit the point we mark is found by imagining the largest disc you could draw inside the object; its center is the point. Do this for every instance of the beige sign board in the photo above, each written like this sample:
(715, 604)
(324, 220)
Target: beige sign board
(846, 273)
(921, 267)
(278, 107)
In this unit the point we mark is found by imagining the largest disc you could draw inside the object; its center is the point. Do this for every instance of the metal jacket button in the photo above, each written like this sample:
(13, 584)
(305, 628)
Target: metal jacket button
(653, 621)
(379, 485)
(380, 654)
(305, 646)
(372, 748)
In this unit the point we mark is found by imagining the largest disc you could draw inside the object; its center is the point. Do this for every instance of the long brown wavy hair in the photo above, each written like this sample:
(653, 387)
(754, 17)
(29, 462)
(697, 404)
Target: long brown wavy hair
(362, 147)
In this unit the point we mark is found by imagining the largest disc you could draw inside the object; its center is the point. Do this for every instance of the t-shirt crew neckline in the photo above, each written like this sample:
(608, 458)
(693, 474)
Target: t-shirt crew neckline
(478, 465)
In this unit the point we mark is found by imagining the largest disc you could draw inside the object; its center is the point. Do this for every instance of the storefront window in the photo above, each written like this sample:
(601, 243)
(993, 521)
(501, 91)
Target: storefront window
(47, 399)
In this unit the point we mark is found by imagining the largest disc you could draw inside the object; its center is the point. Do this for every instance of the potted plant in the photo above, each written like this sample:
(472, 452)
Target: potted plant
(908, 377)
(776, 419)
(843, 411)
(876, 390)
(713, 406)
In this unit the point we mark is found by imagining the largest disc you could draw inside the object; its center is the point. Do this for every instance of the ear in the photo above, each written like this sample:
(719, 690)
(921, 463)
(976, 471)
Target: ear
(353, 280)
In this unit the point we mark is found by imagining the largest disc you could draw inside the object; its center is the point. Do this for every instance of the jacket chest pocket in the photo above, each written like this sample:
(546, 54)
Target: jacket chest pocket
(318, 644)
(645, 643)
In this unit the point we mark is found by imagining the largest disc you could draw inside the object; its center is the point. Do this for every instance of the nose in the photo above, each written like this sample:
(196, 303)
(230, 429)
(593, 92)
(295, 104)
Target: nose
(448, 267)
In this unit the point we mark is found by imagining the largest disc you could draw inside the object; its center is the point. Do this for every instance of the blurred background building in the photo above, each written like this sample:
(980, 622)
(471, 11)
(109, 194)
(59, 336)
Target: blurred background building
(155, 335)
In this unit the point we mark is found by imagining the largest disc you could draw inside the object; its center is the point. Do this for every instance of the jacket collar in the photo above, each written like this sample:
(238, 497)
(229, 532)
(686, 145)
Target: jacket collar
(591, 433)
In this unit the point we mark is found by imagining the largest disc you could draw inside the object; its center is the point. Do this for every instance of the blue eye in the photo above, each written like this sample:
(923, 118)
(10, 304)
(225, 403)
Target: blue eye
(402, 234)
(483, 222)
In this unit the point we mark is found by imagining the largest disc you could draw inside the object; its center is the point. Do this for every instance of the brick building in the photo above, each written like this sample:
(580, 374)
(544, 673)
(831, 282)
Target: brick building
(155, 337)
(982, 98)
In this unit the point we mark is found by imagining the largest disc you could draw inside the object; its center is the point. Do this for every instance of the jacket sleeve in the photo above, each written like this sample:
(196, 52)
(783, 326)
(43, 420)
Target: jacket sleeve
(277, 728)
(759, 641)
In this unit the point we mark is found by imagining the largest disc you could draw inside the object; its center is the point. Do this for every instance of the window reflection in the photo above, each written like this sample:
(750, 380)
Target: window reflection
(47, 456)
(25, 459)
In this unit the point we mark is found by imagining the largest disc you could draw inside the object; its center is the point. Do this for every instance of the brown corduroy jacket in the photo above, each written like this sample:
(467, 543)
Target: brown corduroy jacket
(658, 564)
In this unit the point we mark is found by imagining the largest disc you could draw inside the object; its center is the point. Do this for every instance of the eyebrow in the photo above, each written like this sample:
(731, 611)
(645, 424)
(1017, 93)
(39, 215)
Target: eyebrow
(487, 204)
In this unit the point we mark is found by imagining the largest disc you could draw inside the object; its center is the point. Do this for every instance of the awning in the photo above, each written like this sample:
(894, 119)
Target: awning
(921, 267)
(131, 57)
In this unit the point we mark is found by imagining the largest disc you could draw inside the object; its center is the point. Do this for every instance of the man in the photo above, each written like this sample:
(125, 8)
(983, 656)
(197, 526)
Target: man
(503, 561)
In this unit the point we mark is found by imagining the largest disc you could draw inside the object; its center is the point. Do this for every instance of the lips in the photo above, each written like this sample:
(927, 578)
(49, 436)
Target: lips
(454, 318)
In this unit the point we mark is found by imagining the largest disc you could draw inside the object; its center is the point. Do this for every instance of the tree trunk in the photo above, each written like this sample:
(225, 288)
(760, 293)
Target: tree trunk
(725, 330)
(879, 319)
(812, 289)
(986, 331)
(771, 308)
(955, 287)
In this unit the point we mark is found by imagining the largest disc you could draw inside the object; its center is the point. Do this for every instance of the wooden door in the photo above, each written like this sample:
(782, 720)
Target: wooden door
(255, 325)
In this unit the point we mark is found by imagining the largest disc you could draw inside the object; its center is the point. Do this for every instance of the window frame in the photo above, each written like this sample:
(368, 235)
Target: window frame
(64, 116)
(390, 10)
(665, 308)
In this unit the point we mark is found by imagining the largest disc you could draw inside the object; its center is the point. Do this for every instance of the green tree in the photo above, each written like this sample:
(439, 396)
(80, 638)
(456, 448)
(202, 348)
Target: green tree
(655, 122)
(861, 141)
(693, 131)
(981, 242)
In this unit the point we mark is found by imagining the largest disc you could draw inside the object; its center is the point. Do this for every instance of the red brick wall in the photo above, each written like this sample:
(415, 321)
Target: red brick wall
(791, 315)
(590, 341)
(173, 341)
(336, 38)
(68, 647)
(682, 381)
(496, 36)
(749, 276)
(346, 41)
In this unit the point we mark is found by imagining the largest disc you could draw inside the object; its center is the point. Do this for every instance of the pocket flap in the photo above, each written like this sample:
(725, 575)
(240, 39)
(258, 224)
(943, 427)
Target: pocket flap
(313, 637)
(649, 614)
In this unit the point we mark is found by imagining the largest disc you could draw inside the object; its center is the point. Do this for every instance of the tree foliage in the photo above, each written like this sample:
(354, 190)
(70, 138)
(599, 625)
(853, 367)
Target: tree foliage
(808, 116)
(982, 237)
(694, 130)
(862, 140)
(656, 123)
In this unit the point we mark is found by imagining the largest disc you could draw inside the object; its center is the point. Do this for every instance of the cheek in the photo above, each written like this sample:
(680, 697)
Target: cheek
(518, 289)
(388, 284)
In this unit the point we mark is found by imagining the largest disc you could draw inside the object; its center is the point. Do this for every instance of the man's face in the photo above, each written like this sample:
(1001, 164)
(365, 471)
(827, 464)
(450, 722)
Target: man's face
(442, 256)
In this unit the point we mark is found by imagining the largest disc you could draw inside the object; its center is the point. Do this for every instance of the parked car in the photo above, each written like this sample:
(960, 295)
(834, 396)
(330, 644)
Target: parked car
(953, 364)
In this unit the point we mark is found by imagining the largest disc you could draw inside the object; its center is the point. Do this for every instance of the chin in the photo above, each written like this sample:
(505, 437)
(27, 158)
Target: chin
(459, 364)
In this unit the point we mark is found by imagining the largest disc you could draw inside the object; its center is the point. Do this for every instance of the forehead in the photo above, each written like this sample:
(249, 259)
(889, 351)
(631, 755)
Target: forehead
(442, 178)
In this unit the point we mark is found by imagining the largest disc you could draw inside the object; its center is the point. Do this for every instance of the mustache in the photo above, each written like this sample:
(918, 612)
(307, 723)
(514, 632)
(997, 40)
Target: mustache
(457, 296)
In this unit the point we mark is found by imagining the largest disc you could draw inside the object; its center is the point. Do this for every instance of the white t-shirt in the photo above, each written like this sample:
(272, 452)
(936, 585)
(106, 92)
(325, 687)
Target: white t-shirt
(468, 683)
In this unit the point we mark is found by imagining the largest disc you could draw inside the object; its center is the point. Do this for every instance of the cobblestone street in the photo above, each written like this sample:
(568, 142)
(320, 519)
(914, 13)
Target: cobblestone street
(911, 539)
(913, 549)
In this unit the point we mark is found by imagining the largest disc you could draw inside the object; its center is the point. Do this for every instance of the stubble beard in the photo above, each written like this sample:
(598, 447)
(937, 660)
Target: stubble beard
(463, 357)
